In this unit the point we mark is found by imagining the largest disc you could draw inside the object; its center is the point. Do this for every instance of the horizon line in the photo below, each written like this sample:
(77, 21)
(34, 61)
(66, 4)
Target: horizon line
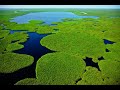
(62, 6)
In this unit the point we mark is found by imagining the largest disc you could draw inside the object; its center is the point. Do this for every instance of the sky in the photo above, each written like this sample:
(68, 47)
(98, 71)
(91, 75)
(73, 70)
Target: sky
(62, 6)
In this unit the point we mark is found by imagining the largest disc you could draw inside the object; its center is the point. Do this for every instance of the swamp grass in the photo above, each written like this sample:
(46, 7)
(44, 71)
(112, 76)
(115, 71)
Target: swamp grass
(91, 77)
(7, 39)
(28, 81)
(11, 62)
(14, 46)
(110, 70)
(75, 44)
(80, 38)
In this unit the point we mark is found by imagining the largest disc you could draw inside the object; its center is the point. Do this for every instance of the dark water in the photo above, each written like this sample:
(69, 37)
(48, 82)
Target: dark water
(108, 42)
(31, 47)
(47, 17)
(107, 50)
(89, 62)
(101, 58)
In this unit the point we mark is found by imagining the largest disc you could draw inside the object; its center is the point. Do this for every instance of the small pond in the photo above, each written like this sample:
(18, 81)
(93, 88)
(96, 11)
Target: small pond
(108, 41)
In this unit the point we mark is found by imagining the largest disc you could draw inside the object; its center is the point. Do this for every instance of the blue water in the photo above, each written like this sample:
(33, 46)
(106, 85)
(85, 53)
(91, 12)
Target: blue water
(108, 41)
(47, 17)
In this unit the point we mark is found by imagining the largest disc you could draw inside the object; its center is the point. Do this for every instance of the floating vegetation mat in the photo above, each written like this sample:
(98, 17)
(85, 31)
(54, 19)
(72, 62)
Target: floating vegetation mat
(11, 62)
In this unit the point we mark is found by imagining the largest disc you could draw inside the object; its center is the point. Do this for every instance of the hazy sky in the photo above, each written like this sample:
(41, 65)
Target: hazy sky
(61, 6)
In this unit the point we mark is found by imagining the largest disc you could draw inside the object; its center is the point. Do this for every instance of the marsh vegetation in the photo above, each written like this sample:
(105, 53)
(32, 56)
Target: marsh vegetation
(69, 51)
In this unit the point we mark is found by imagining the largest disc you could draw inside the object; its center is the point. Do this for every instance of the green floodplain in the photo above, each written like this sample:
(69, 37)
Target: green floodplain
(73, 40)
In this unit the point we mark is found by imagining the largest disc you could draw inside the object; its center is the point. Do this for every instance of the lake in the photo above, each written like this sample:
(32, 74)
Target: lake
(47, 17)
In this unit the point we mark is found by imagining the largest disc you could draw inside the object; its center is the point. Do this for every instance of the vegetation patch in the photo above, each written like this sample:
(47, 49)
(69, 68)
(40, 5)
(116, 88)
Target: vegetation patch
(91, 77)
(44, 29)
(96, 12)
(14, 46)
(84, 37)
(3, 33)
(104, 77)
(11, 62)
(59, 69)
(110, 70)
(16, 36)
(114, 53)
(75, 44)
(10, 42)
(3, 45)
(36, 22)
(28, 81)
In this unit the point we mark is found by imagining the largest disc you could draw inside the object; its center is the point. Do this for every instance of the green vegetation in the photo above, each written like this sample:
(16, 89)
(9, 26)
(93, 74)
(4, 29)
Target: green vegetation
(73, 40)
(56, 69)
(114, 53)
(14, 46)
(104, 77)
(1, 27)
(75, 44)
(84, 37)
(91, 77)
(36, 22)
(32, 26)
(11, 42)
(44, 29)
(28, 81)
(3, 33)
(10, 62)
(68, 19)
(97, 12)
(110, 69)
(16, 36)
